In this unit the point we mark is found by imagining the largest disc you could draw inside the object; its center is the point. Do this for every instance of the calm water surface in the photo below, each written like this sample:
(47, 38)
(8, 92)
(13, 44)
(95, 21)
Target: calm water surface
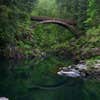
(37, 80)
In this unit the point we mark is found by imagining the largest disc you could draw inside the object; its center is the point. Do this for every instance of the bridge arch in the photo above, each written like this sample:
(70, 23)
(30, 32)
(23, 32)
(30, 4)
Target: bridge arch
(68, 24)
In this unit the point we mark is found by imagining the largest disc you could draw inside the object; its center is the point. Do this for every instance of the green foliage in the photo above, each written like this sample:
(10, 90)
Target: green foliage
(73, 9)
(93, 36)
(14, 14)
(94, 31)
(15, 25)
(47, 36)
(6, 25)
(45, 8)
(93, 13)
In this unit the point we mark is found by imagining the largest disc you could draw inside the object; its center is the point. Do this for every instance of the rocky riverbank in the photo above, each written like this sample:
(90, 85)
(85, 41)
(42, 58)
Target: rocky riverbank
(83, 70)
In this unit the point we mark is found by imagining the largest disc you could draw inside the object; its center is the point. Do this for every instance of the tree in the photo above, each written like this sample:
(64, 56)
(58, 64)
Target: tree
(93, 13)
(14, 15)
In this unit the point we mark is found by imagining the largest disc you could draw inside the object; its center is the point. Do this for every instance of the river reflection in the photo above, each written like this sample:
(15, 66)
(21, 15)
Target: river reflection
(37, 80)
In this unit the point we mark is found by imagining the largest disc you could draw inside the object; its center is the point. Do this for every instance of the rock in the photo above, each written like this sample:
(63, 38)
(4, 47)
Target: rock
(69, 66)
(98, 61)
(83, 70)
(97, 66)
(3, 98)
(73, 73)
(64, 68)
(81, 66)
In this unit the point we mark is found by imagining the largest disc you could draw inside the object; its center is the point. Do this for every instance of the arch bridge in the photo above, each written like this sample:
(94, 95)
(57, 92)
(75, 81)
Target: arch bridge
(71, 25)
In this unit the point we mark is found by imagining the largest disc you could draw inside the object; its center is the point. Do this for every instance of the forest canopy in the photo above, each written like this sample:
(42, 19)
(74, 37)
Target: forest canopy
(17, 31)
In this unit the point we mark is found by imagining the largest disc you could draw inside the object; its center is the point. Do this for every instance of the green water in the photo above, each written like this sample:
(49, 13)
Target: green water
(37, 80)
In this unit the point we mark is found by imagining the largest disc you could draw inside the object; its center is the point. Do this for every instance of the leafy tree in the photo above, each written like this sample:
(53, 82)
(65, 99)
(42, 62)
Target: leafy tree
(14, 15)
(93, 13)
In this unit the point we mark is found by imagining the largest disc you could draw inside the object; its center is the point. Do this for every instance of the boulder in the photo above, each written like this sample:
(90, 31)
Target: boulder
(3, 98)
(71, 73)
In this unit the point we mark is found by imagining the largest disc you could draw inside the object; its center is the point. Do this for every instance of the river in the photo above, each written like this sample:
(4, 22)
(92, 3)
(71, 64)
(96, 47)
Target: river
(37, 80)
